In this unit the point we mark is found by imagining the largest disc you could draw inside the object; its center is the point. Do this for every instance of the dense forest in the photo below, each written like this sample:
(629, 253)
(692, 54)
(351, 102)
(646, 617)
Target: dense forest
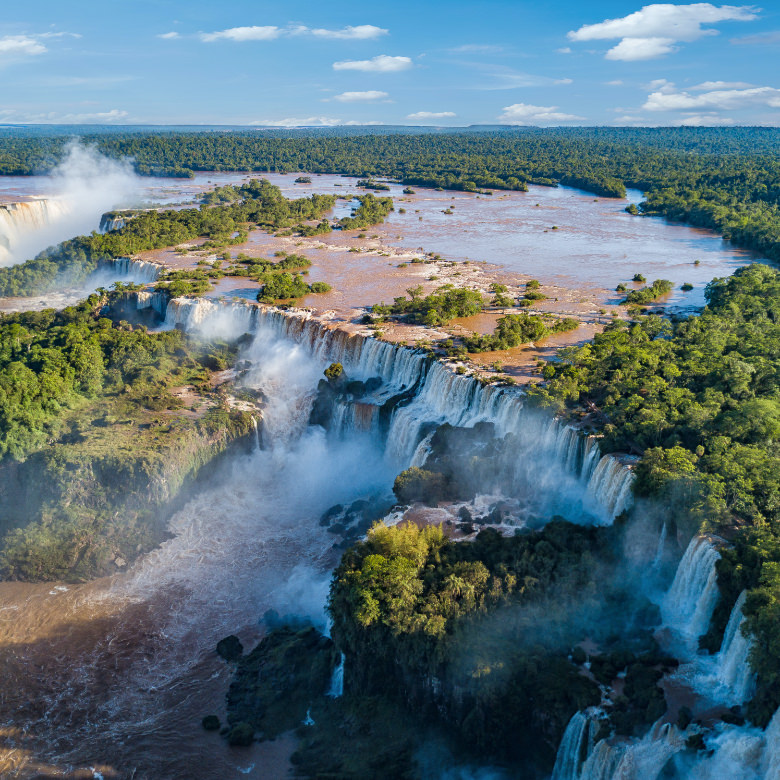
(94, 443)
(720, 178)
(699, 398)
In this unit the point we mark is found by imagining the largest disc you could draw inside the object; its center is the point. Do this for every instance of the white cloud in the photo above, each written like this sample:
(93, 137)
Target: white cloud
(310, 121)
(360, 32)
(703, 120)
(16, 46)
(52, 117)
(653, 30)
(709, 85)
(504, 77)
(564, 50)
(526, 114)
(242, 34)
(169, 36)
(382, 63)
(615, 83)
(431, 115)
(633, 49)
(669, 99)
(361, 97)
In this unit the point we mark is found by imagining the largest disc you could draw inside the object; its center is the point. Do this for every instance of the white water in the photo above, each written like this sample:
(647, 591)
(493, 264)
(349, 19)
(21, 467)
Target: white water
(22, 222)
(555, 463)
(575, 747)
(688, 606)
(84, 186)
(725, 678)
(336, 689)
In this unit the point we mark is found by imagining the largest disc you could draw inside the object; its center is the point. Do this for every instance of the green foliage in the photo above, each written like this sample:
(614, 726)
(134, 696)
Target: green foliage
(435, 309)
(648, 294)
(515, 329)
(371, 211)
(416, 484)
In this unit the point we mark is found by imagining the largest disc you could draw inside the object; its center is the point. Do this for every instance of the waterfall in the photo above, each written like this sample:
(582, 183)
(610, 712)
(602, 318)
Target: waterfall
(576, 745)
(127, 269)
(690, 601)
(659, 552)
(725, 678)
(109, 222)
(419, 394)
(337, 680)
(733, 669)
(19, 220)
(610, 759)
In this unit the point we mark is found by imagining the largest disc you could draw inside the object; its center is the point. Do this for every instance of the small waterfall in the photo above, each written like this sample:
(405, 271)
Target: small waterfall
(725, 678)
(127, 269)
(336, 689)
(18, 220)
(659, 552)
(603, 762)
(733, 669)
(770, 762)
(690, 601)
(157, 301)
(109, 222)
(575, 747)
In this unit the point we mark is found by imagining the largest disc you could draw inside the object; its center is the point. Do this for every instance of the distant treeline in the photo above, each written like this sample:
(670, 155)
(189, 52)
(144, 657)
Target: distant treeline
(724, 179)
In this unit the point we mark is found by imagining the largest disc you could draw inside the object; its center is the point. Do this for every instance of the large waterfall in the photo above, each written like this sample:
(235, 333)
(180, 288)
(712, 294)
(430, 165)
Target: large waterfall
(557, 462)
(688, 606)
(20, 221)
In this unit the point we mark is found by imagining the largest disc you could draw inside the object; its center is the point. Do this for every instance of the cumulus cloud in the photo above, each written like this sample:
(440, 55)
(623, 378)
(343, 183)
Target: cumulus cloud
(431, 115)
(563, 50)
(169, 36)
(13, 47)
(382, 63)
(671, 99)
(254, 33)
(708, 85)
(361, 97)
(655, 29)
(360, 32)
(526, 114)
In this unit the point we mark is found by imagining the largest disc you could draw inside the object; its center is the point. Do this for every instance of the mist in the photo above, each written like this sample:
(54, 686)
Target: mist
(84, 185)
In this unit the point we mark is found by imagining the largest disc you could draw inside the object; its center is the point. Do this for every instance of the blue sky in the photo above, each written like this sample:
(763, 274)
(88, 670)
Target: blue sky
(421, 62)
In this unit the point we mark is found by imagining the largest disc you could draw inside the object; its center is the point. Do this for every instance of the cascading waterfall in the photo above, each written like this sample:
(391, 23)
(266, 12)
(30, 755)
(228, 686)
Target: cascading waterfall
(635, 759)
(575, 747)
(17, 220)
(336, 689)
(109, 222)
(733, 670)
(138, 271)
(659, 552)
(726, 677)
(552, 457)
(690, 601)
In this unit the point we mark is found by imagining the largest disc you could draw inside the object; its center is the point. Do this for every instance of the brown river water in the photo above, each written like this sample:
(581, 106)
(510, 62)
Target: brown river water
(111, 679)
